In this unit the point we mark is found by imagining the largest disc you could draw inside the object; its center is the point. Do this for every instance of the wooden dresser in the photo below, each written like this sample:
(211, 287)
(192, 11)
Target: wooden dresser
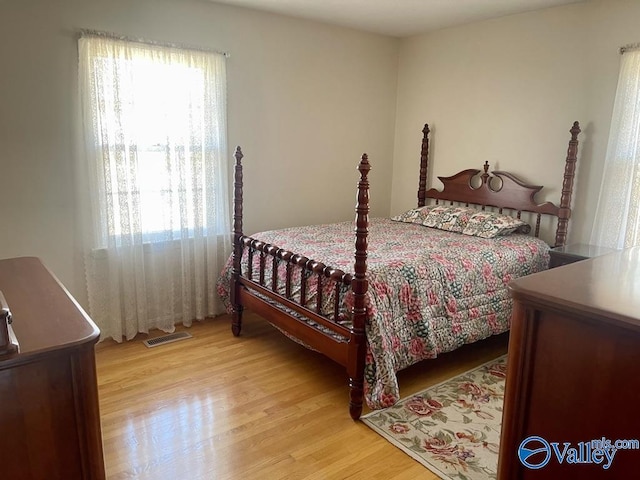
(574, 369)
(49, 415)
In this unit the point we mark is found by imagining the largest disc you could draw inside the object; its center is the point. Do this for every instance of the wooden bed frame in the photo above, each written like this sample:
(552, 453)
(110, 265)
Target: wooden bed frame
(347, 345)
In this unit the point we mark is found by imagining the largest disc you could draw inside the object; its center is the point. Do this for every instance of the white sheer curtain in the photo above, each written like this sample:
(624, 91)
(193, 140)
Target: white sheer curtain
(153, 183)
(617, 220)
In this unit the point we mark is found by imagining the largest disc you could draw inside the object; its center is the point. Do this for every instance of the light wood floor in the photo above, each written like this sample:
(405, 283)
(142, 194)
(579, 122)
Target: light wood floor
(254, 407)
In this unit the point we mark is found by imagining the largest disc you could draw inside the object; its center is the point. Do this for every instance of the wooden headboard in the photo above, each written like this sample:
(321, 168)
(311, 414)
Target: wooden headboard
(502, 190)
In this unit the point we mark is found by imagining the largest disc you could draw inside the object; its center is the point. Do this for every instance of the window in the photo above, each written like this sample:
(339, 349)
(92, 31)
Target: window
(617, 219)
(157, 136)
(153, 182)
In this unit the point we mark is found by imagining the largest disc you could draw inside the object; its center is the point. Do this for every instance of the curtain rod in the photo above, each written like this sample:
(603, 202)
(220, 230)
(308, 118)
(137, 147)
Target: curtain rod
(631, 46)
(85, 32)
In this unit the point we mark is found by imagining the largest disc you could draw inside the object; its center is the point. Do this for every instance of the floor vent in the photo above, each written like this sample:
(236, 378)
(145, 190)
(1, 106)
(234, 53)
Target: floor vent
(172, 337)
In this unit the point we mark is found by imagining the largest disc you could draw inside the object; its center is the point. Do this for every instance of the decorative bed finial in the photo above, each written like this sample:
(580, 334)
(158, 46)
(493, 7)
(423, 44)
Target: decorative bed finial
(238, 154)
(485, 175)
(575, 130)
(364, 165)
(426, 130)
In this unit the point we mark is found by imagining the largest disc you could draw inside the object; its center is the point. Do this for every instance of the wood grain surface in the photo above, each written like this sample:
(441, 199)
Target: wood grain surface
(258, 406)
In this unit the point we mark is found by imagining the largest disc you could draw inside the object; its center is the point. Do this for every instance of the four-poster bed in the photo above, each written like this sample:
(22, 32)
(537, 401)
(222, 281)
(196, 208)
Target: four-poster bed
(409, 292)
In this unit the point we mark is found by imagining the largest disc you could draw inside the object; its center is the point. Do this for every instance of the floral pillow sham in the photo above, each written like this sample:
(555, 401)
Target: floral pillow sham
(451, 219)
(490, 225)
(465, 220)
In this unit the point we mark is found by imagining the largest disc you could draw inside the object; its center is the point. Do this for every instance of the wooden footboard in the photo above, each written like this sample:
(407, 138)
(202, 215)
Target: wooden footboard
(342, 340)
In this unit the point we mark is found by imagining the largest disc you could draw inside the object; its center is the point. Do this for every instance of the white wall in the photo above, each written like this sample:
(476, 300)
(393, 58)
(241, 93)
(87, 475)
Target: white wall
(305, 100)
(507, 91)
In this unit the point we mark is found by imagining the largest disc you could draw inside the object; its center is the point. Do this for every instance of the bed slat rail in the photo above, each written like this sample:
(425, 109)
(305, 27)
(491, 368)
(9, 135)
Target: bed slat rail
(310, 270)
(501, 210)
(333, 347)
(338, 329)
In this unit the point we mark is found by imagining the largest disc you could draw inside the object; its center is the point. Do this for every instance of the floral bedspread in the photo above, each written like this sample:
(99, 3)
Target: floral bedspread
(430, 291)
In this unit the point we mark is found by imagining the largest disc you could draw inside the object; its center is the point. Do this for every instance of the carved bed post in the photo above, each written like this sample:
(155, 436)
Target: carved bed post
(236, 323)
(424, 163)
(567, 187)
(359, 286)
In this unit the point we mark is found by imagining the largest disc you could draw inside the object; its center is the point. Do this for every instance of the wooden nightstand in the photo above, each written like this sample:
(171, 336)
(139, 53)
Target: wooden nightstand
(574, 253)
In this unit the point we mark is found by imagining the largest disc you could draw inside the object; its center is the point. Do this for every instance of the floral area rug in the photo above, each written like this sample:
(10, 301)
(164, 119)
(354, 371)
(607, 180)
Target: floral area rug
(452, 428)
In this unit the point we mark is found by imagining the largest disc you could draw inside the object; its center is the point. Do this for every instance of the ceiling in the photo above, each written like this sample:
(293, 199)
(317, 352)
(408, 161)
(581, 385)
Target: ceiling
(398, 18)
